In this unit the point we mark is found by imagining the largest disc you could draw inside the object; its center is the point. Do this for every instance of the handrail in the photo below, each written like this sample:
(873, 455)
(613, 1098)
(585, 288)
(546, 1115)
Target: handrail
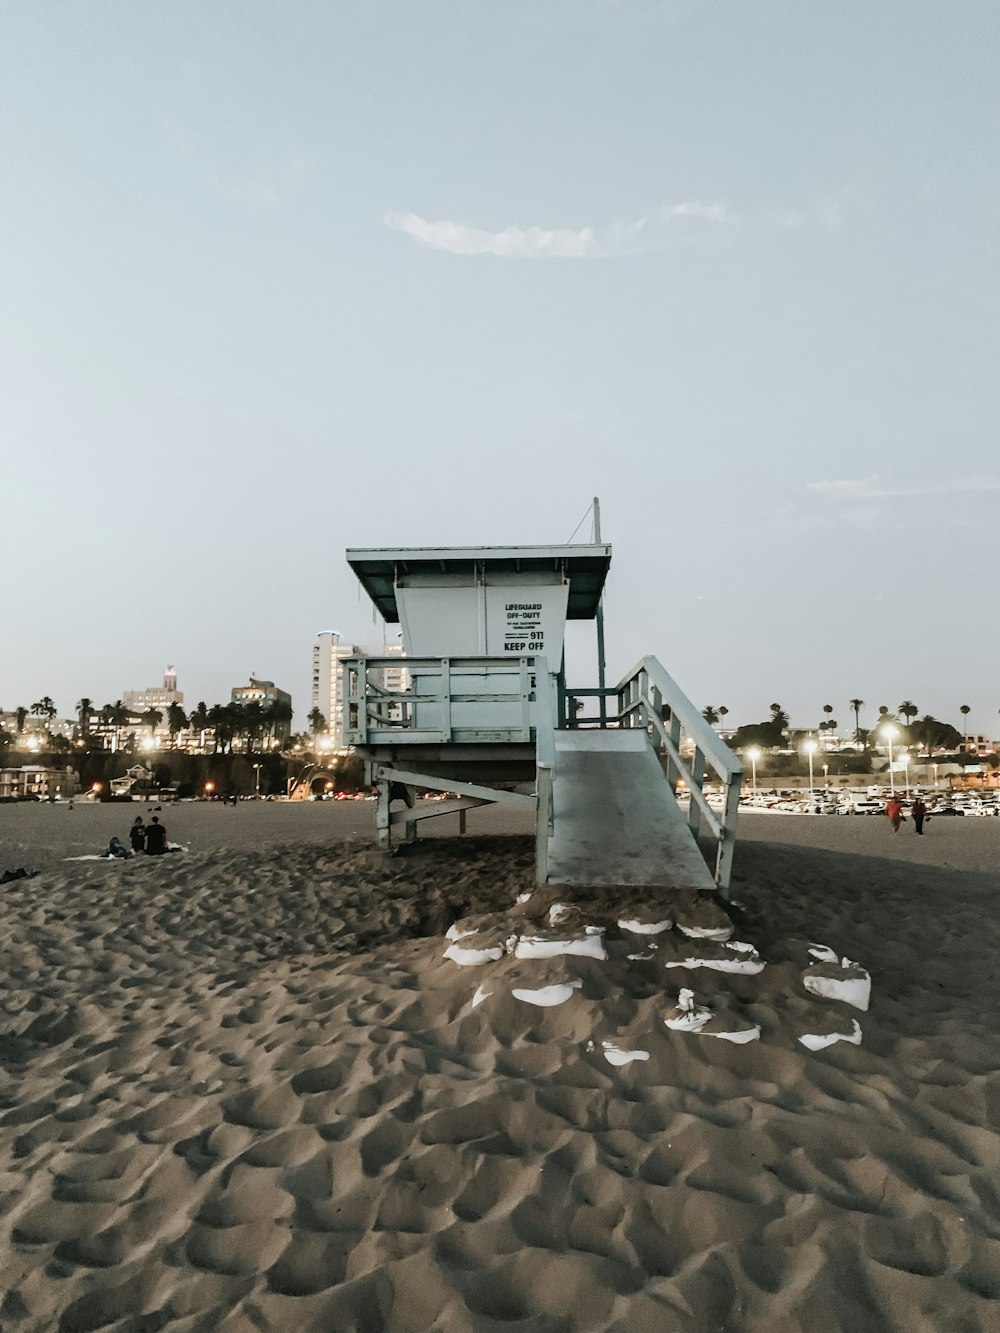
(711, 819)
(723, 760)
(644, 695)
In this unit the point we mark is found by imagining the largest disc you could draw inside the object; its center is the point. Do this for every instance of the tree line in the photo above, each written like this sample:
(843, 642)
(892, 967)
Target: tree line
(252, 724)
(929, 733)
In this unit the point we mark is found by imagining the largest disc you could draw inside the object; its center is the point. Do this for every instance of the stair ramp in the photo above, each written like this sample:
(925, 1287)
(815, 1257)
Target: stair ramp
(615, 818)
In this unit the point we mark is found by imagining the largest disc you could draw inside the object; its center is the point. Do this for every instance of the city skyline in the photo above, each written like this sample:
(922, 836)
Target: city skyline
(304, 699)
(287, 282)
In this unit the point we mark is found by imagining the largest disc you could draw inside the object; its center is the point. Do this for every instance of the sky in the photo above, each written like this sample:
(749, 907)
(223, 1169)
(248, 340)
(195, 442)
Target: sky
(279, 279)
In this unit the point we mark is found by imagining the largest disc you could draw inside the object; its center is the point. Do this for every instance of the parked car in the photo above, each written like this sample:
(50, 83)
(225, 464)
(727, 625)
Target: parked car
(861, 805)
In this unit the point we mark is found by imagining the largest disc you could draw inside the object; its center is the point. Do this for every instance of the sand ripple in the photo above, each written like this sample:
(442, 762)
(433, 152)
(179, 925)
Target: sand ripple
(248, 1092)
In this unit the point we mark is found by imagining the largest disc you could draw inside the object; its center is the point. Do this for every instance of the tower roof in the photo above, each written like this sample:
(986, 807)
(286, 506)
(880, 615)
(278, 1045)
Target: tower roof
(585, 567)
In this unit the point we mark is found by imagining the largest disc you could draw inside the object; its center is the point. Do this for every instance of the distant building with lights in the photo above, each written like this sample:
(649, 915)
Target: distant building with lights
(327, 682)
(136, 782)
(265, 693)
(260, 692)
(395, 678)
(157, 696)
(35, 780)
(35, 730)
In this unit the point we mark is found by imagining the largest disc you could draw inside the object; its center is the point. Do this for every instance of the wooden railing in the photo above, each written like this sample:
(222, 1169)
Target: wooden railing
(449, 699)
(649, 698)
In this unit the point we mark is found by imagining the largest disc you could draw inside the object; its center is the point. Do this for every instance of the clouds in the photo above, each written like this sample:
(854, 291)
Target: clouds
(693, 222)
(683, 223)
(511, 243)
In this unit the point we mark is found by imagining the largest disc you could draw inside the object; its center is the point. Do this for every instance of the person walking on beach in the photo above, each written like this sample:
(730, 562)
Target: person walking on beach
(156, 838)
(894, 812)
(137, 836)
(919, 812)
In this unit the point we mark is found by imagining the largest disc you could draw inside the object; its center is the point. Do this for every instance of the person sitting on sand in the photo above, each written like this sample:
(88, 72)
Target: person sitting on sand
(117, 850)
(156, 838)
(894, 812)
(137, 836)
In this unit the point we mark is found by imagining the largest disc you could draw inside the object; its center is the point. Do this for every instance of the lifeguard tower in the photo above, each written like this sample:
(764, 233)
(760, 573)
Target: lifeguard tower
(487, 716)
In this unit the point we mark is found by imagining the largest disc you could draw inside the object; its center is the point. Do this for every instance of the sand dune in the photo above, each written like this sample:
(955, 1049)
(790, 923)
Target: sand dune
(246, 1090)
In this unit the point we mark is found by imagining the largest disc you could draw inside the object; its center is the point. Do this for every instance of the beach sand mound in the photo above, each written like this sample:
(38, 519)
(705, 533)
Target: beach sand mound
(251, 1092)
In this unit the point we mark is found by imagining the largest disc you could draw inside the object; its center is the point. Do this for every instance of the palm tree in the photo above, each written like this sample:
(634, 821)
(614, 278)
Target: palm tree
(176, 721)
(723, 713)
(253, 723)
(710, 715)
(779, 717)
(84, 711)
(44, 708)
(219, 721)
(198, 721)
(317, 722)
(857, 705)
(115, 715)
(20, 713)
(908, 709)
(965, 710)
(227, 723)
(277, 716)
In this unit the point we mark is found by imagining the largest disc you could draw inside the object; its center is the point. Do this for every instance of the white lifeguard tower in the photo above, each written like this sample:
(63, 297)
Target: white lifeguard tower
(487, 716)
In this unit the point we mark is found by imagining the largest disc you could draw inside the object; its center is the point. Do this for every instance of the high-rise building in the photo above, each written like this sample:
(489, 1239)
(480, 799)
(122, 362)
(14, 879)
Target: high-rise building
(160, 697)
(265, 693)
(327, 682)
(395, 678)
(259, 692)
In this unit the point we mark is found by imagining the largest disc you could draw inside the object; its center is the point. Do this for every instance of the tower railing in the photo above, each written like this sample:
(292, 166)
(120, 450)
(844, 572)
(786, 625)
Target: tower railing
(449, 700)
(648, 697)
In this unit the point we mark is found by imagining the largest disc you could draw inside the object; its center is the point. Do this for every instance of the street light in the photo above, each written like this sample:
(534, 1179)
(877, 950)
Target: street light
(810, 748)
(256, 785)
(935, 768)
(888, 731)
(753, 754)
(826, 775)
(905, 759)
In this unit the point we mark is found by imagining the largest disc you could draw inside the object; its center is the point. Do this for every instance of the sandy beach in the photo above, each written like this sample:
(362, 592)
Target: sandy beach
(244, 1089)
